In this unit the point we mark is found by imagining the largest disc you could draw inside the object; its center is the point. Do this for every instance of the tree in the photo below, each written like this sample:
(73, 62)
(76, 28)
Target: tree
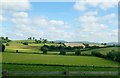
(40, 39)
(45, 41)
(36, 41)
(86, 45)
(25, 43)
(113, 55)
(7, 44)
(33, 38)
(97, 54)
(30, 38)
(44, 49)
(52, 41)
(6, 38)
(77, 52)
(2, 47)
(62, 50)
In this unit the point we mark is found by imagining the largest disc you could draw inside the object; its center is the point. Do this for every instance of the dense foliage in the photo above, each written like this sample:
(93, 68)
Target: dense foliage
(77, 52)
(2, 47)
(113, 55)
(44, 49)
(25, 43)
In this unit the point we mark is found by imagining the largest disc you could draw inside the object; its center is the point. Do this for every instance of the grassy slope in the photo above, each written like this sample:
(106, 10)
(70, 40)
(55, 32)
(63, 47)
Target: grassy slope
(101, 50)
(56, 59)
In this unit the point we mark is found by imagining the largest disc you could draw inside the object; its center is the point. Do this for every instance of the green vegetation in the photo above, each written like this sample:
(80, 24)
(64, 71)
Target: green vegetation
(103, 51)
(56, 59)
(13, 67)
(43, 55)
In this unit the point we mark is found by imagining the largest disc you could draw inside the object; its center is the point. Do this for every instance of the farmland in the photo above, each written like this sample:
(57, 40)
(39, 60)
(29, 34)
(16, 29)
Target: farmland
(56, 59)
(31, 58)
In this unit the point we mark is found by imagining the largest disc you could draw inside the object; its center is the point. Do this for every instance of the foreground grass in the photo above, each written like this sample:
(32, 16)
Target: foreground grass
(56, 59)
(63, 76)
(13, 67)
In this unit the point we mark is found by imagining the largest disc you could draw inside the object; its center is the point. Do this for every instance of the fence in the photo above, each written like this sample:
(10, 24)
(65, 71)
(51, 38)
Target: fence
(66, 74)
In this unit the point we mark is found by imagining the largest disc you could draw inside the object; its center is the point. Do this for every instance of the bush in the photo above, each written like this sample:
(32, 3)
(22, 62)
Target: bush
(77, 52)
(7, 44)
(44, 49)
(25, 43)
(97, 54)
(16, 51)
(2, 48)
(113, 55)
(62, 51)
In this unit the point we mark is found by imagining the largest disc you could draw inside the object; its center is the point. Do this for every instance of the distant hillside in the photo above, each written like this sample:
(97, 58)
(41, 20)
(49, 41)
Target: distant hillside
(58, 41)
(113, 43)
(87, 42)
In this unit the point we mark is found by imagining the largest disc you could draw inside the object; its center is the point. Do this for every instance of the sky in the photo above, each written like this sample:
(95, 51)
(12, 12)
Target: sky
(81, 20)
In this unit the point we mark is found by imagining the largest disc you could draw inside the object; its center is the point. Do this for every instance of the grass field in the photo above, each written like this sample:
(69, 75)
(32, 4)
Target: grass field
(101, 50)
(56, 59)
(30, 58)
(13, 67)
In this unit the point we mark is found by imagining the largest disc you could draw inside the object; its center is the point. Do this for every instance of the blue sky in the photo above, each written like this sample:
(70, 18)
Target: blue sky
(70, 21)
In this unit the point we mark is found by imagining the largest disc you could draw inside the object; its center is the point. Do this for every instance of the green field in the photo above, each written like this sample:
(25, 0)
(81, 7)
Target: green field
(56, 59)
(101, 50)
(13, 67)
(30, 58)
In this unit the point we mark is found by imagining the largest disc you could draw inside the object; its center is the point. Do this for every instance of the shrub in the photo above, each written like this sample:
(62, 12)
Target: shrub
(113, 55)
(44, 49)
(62, 51)
(16, 51)
(25, 43)
(2, 48)
(7, 44)
(77, 52)
(97, 54)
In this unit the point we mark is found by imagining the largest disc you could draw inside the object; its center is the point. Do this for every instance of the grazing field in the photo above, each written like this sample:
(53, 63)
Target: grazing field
(31, 59)
(101, 50)
(13, 67)
(56, 59)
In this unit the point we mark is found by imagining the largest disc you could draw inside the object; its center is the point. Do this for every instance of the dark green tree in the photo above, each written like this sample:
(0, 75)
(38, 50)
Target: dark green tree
(2, 47)
(62, 50)
(77, 52)
(44, 49)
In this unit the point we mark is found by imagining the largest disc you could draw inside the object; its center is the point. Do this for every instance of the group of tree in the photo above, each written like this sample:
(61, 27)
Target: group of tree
(112, 55)
(31, 38)
(58, 47)
(40, 40)
(97, 54)
(61, 49)
(4, 39)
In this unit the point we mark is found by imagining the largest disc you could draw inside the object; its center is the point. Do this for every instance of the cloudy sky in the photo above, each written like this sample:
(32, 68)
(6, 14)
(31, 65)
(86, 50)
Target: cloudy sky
(81, 20)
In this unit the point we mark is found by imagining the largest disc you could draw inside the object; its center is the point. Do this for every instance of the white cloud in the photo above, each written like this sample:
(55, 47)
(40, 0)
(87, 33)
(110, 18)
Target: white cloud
(15, 5)
(91, 13)
(104, 5)
(2, 19)
(20, 14)
(40, 27)
(109, 16)
(80, 6)
(20, 18)
(92, 29)
(10, 7)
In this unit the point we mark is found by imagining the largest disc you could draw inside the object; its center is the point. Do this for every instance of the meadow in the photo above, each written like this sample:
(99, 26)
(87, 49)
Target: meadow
(31, 58)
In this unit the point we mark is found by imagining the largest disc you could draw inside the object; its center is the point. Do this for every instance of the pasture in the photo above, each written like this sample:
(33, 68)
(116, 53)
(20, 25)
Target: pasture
(56, 59)
(30, 58)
